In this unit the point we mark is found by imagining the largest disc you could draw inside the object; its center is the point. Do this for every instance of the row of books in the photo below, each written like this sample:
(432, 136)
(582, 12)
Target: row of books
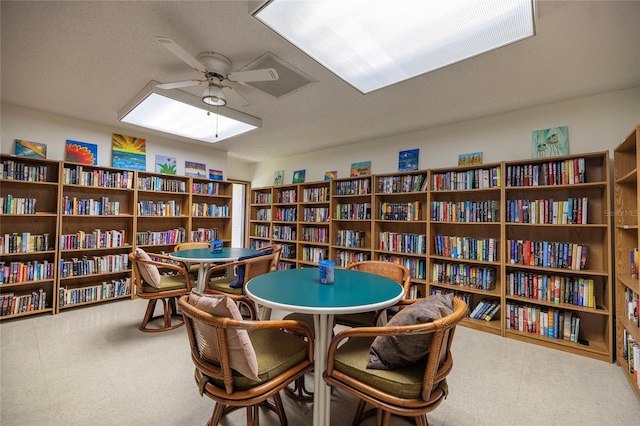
(353, 187)
(288, 251)
(13, 304)
(155, 183)
(202, 235)
(285, 214)
(632, 306)
(353, 211)
(315, 214)
(97, 177)
(20, 272)
(92, 240)
(75, 206)
(417, 267)
(314, 254)
(349, 238)
(465, 211)
(263, 214)
(16, 170)
(209, 188)
(553, 288)
(568, 212)
(209, 210)
(105, 290)
(286, 265)
(403, 242)
(13, 205)
(284, 232)
(401, 184)
(286, 196)
(85, 265)
(315, 234)
(170, 236)
(262, 198)
(548, 322)
(24, 243)
(484, 249)
(485, 310)
(399, 211)
(344, 257)
(315, 195)
(634, 264)
(464, 275)
(262, 231)
(159, 208)
(548, 254)
(480, 178)
(465, 297)
(561, 172)
(631, 353)
(257, 244)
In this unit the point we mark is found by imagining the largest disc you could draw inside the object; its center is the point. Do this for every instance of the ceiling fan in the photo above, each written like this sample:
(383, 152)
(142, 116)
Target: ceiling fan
(216, 69)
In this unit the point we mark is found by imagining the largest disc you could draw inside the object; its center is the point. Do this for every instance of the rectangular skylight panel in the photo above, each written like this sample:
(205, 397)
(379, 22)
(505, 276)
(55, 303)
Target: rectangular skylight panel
(373, 44)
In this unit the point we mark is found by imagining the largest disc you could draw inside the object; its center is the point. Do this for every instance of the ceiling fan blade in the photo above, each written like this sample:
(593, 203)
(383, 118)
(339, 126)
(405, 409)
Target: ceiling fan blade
(181, 53)
(267, 74)
(233, 97)
(177, 84)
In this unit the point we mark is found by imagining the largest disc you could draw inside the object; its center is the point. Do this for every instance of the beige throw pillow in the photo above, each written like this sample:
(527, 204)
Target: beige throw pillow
(241, 353)
(150, 273)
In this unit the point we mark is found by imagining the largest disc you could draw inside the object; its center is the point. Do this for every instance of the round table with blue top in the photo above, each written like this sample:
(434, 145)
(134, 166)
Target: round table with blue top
(300, 290)
(204, 256)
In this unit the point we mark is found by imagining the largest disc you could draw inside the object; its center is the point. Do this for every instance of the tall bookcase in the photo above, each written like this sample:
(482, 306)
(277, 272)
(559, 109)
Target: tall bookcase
(211, 207)
(96, 223)
(627, 285)
(557, 253)
(314, 221)
(284, 225)
(465, 232)
(29, 191)
(260, 217)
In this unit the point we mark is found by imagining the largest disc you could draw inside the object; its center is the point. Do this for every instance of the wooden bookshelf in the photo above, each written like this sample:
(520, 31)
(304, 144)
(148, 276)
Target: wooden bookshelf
(284, 224)
(314, 220)
(627, 285)
(29, 230)
(260, 214)
(211, 207)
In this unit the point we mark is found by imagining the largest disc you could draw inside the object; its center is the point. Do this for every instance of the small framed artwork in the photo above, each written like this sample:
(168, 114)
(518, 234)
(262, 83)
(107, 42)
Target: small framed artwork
(215, 174)
(30, 149)
(363, 168)
(278, 178)
(408, 160)
(298, 176)
(166, 165)
(128, 152)
(470, 159)
(195, 169)
(331, 174)
(551, 142)
(81, 152)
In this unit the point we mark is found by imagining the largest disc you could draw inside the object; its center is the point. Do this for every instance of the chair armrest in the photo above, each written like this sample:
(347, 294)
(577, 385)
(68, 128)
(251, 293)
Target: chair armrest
(167, 260)
(221, 267)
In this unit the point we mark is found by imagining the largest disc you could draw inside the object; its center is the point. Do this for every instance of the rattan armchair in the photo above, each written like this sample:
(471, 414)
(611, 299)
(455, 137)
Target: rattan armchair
(281, 359)
(193, 269)
(410, 391)
(158, 277)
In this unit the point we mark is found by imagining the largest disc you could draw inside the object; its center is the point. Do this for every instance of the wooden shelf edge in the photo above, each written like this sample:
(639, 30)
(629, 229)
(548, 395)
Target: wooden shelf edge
(93, 302)
(24, 314)
(622, 363)
(595, 350)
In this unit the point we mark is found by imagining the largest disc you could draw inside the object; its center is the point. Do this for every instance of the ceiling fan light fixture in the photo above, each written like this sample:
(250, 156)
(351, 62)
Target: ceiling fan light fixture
(213, 95)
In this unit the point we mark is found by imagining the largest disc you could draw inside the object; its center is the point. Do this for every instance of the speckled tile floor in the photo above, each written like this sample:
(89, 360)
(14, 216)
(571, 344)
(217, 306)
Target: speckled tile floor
(93, 366)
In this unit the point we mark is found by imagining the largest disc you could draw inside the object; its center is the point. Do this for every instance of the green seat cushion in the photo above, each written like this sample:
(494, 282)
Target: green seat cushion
(276, 351)
(167, 282)
(222, 285)
(352, 358)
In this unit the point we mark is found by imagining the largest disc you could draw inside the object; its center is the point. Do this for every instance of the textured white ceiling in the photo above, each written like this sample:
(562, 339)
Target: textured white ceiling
(87, 59)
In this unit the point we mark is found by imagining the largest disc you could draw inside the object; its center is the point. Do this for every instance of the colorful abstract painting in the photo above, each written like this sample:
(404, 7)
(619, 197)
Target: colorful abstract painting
(30, 149)
(129, 152)
(363, 168)
(278, 177)
(470, 159)
(331, 174)
(408, 160)
(550, 142)
(82, 152)
(195, 169)
(215, 174)
(166, 165)
(298, 176)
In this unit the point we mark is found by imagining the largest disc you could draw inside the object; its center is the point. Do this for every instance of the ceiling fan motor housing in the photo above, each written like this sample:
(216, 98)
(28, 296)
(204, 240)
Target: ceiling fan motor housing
(215, 63)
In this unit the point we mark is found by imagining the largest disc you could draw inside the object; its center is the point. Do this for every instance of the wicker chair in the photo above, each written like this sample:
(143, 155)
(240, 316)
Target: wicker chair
(411, 391)
(252, 268)
(278, 364)
(394, 271)
(193, 269)
(170, 286)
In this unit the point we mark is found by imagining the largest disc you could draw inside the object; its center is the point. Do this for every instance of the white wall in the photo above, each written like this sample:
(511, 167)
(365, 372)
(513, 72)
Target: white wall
(596, 123)
(53, 130)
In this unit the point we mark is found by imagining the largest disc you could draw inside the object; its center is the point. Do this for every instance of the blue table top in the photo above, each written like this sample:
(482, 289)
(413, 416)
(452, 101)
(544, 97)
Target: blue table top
(300, 290)
(204, 254)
